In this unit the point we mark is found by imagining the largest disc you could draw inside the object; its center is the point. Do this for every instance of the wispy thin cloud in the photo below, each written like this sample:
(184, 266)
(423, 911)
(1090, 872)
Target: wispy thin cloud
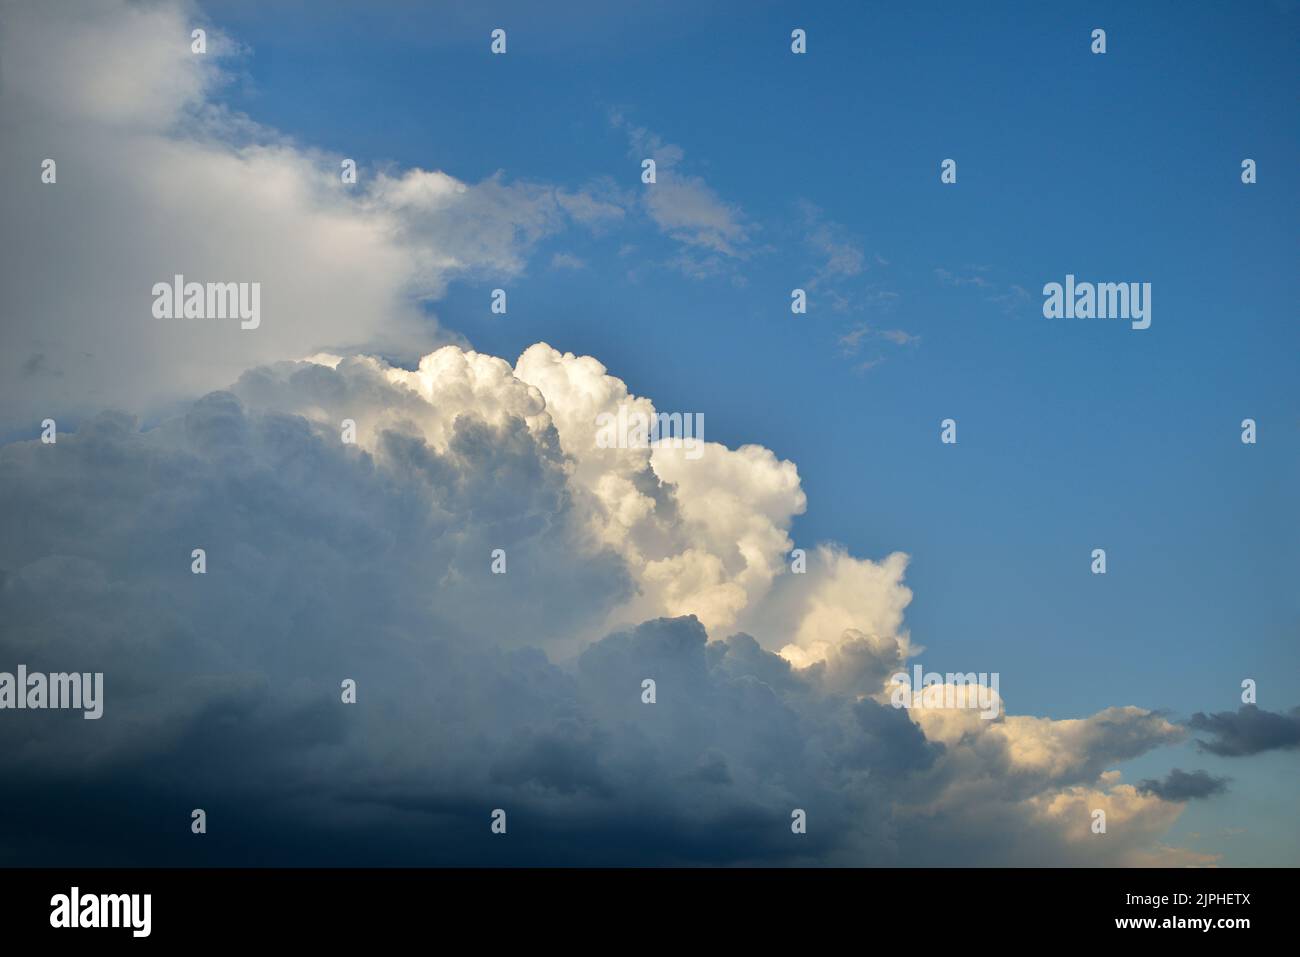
(1010, 297)
(852, 343)
(567, 261)
(713, 234)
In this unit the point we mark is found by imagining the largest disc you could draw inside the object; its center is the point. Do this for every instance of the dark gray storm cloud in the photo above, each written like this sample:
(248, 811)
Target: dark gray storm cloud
(1248, 730)
(325, 562)
(1180, 785)
(328, 561)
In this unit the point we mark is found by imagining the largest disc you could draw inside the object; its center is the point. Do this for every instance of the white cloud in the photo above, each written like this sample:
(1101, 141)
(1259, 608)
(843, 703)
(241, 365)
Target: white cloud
(372, 561)
(712, 232)
(154, 181)
(567, 261)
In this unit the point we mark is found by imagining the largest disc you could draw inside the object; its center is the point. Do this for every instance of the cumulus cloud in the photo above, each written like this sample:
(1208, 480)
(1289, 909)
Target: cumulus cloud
(703, 535)
(372, 560)
(1249, 730)
(852, 608)
(326, 561)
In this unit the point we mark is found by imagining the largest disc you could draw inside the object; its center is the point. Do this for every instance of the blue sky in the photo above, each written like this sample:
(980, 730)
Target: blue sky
(1072, 434)
(925, 299)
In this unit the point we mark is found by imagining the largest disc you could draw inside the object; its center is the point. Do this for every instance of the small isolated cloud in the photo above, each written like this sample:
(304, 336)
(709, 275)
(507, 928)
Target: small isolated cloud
(898, 337)
(851, 343)
(839, 256)
(1009, 297)
(852, 340)
(713, 234)
(1249, 730)
(567, 261)
(837, 265)
(1012, 298)
(949, 278)
(1181, 785)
